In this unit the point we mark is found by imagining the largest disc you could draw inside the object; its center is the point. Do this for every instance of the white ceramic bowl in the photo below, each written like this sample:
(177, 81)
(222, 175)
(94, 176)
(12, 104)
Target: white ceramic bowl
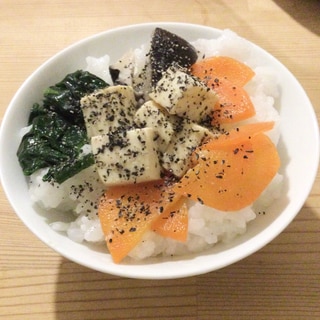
(299, 152)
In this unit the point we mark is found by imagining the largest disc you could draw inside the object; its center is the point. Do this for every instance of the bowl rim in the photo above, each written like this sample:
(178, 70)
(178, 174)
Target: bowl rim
(264, 237)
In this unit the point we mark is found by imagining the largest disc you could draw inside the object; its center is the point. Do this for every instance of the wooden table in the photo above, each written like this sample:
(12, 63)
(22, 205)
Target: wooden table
(281, 281)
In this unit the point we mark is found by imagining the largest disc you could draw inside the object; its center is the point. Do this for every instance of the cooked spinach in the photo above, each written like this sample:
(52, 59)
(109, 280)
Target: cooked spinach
(58, 132)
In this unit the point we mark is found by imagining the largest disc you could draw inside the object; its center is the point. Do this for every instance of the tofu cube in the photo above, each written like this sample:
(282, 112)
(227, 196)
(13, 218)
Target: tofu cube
(109, 109)
(177, 157)
(152, 115)
(126, 157)
(184, 95)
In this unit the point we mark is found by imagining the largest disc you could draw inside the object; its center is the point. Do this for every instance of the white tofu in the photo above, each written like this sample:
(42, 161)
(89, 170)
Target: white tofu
(109, 109)
(150, 114)
(126, 157)
(184, 95)
(177, 157)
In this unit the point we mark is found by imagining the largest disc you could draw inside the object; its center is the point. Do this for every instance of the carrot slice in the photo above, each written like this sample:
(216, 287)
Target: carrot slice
(238, 134)
(230, 176)
(173, 223)
(234, 103)
(227, 76)
(222, 67)
(127, 212)
(234, 136)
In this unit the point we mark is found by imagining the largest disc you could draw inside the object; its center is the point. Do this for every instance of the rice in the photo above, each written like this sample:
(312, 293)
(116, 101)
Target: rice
(78, 196)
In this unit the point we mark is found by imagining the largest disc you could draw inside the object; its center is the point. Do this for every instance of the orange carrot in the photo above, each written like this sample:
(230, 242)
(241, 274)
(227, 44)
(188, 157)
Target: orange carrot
(232, 173)
(227, 76)
(234, 103)
(173, 223)
(238, 134)
(127, 212)
(222, 67)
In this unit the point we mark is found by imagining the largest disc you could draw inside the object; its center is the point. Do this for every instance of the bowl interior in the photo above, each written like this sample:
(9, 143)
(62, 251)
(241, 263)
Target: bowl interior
(299, 159)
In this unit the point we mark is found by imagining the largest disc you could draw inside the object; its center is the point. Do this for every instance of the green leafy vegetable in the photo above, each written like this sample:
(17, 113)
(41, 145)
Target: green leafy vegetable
(64, 97)
(57, 132)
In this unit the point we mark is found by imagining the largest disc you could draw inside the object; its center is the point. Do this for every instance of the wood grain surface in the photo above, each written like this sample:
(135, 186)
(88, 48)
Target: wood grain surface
(281, 281)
